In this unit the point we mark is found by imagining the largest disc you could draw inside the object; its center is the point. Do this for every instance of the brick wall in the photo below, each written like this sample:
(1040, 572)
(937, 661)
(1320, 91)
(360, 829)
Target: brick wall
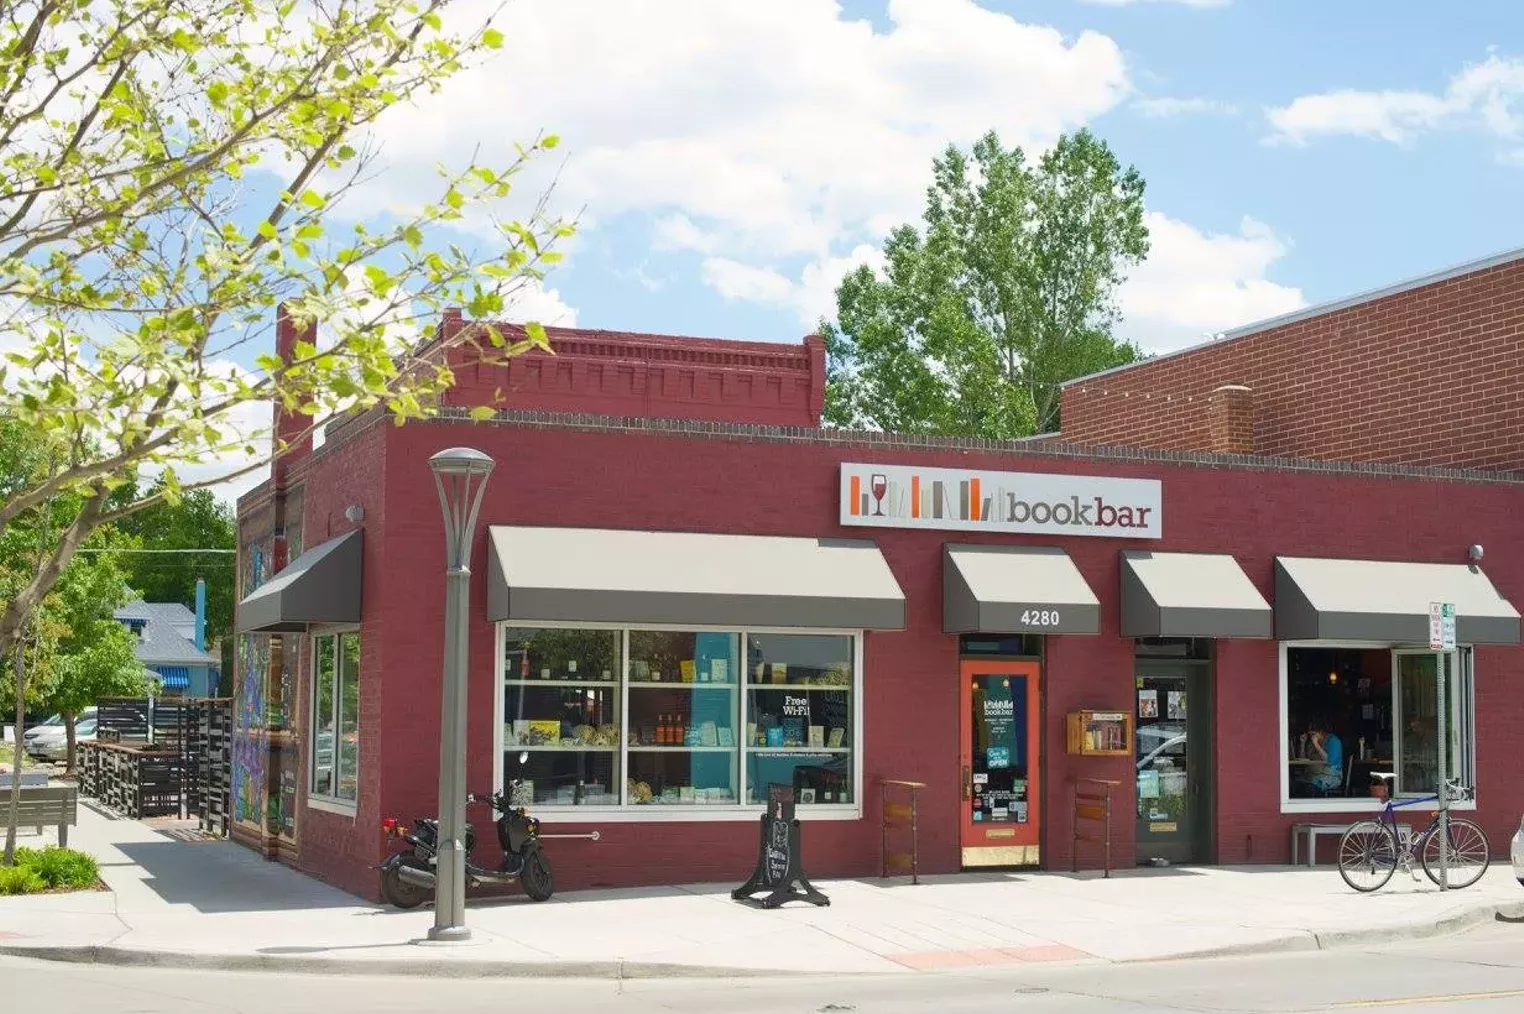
(621, 374)
(786, 484)
(1432, 375)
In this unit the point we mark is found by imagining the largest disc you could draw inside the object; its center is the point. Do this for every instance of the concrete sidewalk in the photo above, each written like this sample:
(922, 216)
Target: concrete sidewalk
(214, 904)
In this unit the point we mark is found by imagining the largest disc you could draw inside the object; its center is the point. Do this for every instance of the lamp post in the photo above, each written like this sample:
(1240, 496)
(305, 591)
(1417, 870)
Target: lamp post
(460, 475)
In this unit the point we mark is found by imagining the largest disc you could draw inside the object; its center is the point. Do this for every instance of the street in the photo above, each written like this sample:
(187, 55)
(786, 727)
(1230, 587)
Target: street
(1478, 972)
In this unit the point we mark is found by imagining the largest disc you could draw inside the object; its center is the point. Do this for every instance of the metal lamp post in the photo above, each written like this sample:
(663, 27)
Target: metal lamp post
(460, 474)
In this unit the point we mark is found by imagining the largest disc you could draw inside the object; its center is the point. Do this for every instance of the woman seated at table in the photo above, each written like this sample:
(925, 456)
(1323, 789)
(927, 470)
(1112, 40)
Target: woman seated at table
(1321, 746)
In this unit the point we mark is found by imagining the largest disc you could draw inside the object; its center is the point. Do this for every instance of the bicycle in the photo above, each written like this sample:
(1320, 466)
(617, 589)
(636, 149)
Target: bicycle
(1375, 848)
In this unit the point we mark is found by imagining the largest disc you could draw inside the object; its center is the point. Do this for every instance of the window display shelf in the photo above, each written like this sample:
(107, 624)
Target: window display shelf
(682, 749)
(842, 689)
(510, 748)
(799, 751)
(561, 683)
(677, 685)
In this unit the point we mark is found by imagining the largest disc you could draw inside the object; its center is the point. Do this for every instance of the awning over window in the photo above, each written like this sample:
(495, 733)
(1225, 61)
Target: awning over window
(598, 575)
(1015, 590)
(1368, 600)
(320, 586)
(175, 678)
(1190, 595)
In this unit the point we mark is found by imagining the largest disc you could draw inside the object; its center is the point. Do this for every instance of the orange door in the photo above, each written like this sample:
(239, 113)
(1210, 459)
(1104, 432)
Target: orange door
(1002, 816)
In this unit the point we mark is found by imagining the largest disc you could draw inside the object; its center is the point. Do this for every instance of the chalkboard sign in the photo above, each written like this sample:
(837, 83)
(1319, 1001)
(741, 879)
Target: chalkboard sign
(779, 860)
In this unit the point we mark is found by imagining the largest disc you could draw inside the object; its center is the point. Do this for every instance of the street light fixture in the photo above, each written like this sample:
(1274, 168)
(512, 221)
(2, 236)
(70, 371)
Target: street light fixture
(460, 475)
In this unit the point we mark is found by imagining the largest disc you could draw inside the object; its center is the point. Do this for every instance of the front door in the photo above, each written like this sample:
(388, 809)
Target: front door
(999, 763)
(1174, 750)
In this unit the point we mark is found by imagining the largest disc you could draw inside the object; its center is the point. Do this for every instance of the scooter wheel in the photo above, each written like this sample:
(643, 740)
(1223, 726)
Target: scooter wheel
(538, 880)
(399, 892)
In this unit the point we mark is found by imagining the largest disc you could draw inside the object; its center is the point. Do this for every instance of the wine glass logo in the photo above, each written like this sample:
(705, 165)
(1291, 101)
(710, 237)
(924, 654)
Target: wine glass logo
(879, 484)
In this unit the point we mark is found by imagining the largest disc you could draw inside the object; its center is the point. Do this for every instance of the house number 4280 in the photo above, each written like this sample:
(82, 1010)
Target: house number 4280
(1039, 617)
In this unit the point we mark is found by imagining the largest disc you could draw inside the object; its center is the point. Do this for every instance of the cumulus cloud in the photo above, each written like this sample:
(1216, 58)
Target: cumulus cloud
(1196, 283)
(1483, 96)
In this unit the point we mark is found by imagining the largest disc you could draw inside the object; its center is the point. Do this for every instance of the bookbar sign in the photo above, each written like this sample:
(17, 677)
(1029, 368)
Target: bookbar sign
(896, 496)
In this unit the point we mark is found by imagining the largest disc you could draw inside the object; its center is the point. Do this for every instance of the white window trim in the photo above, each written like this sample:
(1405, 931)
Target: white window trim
(322, 801)
(1363, 804)
(734, 813)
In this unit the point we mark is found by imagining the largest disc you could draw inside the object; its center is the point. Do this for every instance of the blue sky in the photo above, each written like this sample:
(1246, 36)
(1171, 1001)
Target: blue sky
(1347, 211)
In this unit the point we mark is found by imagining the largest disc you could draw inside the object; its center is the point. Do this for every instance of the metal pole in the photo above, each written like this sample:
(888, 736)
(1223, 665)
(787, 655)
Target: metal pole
(1442, 734)
(460, 476)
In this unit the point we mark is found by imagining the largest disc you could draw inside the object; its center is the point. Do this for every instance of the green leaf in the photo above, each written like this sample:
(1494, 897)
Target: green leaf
(481, 413)
(267, 230)
(492, 38)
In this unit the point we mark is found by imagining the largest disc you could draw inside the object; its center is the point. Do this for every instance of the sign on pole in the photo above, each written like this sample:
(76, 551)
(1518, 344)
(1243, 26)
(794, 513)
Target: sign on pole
(1441, 641)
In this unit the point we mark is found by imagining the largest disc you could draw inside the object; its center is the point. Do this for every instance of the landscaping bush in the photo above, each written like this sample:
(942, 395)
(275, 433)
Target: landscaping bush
(20, 880)
(49, 869)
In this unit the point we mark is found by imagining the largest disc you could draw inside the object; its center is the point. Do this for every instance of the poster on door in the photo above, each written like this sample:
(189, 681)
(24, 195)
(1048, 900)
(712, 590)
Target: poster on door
(1000, 750)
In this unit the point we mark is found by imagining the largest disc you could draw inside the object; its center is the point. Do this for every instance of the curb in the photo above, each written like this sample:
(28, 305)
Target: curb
(1313, 940)
(1293, 941)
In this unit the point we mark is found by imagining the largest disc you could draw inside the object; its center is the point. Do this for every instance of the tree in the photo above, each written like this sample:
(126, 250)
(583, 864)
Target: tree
(172, 172)
(1006, 292)
(198, 521)
(107, 667)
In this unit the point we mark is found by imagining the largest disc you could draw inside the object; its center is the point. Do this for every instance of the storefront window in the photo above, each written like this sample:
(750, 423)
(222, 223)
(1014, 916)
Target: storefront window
(677, 718)
(336, 717)
(561, 709)
(799, 716)
(1354, 714)
(683, 716)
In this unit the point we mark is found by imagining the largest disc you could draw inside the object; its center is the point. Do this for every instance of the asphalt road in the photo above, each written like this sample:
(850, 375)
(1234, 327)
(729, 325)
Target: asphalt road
(1481, 972)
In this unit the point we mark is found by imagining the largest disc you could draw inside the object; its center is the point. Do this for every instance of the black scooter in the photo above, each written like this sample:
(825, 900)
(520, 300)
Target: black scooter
(408, 880)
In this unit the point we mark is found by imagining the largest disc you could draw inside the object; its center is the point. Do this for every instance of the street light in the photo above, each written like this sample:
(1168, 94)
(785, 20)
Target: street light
(460, 475)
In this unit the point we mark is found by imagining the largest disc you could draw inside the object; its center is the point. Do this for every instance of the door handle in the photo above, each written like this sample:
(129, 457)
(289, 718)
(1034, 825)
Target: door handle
(968, 782)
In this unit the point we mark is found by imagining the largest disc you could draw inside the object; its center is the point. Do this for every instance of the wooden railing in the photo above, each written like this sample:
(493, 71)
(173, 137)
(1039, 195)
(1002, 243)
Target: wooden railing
(1092, 805)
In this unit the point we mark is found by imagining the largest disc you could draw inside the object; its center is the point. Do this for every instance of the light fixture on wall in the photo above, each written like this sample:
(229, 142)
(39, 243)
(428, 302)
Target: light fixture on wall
(355, 513)
(1333, 677)
(1474, 553)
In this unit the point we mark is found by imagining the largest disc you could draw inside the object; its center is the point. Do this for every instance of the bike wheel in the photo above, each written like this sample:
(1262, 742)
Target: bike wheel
(538, 880)
(1367, 855)
(1469, 856)
(399, 892)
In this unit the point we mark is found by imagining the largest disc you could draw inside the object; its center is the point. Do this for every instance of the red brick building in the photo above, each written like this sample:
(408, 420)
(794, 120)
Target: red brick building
(673, 608)
(1426, 372)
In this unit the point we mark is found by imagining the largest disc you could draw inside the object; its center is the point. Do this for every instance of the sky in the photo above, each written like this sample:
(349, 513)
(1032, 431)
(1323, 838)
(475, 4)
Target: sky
(730, 160)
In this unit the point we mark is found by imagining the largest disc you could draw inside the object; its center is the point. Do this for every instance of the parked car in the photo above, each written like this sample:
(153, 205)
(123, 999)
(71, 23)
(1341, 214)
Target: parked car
(49, 741)
(1518, 852)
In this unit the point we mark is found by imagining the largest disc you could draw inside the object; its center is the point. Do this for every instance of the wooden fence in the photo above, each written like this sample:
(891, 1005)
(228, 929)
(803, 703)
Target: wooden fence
(159, 758)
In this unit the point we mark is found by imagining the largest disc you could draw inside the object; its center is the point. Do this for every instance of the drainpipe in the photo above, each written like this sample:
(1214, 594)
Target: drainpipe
(200, 614)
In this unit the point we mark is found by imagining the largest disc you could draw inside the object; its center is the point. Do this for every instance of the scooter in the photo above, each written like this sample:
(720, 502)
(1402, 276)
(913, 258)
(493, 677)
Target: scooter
(408, 878)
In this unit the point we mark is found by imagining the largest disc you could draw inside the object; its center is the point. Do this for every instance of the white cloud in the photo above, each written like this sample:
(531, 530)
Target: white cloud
(763, 131)
(533, 301)
(811, 296)
(1484, 96)
(1195, 283)
(1165, 107)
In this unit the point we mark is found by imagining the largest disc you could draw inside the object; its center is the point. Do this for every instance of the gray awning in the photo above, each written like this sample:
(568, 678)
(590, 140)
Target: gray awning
(1015, 590)
(598, 575)
(1190, 595)
(320, 586)
(1369, 600)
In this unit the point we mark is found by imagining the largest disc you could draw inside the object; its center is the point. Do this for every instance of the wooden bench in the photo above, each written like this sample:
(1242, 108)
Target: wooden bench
(49, 806)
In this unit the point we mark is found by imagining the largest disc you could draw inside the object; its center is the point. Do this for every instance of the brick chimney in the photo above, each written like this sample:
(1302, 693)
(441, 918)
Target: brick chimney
(816, 346)
(1230, 420)
(291, 429)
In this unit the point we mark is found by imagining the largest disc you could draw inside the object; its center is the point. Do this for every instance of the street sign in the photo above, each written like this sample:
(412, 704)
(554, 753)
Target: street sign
(1441, 626)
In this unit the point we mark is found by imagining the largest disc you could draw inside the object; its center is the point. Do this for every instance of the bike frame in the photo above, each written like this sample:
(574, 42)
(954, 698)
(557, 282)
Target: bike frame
(1389, 818)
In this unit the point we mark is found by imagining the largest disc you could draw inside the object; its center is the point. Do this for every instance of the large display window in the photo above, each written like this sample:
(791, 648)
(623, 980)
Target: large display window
(1358, 718)
(693, 723)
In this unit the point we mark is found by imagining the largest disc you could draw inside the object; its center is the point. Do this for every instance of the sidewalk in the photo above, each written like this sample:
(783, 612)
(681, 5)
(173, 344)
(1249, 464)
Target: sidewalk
(214, 904)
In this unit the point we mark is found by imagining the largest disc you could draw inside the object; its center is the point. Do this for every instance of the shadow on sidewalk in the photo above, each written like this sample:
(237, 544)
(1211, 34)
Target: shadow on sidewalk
(223, 877)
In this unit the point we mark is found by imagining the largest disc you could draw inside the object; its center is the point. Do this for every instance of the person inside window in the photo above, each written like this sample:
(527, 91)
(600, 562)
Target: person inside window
(1326, 750)
(1420, 757)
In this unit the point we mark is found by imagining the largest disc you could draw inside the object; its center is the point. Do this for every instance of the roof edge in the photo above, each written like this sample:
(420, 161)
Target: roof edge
(1471, 267)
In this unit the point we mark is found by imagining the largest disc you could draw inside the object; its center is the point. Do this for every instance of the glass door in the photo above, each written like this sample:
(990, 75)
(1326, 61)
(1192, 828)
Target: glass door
(1173, 763)
(999, 763)
(1416, 691)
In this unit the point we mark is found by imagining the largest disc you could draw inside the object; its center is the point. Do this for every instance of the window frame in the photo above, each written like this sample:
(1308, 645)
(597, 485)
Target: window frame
(1461, 666)
(324, 801)
(631, 813)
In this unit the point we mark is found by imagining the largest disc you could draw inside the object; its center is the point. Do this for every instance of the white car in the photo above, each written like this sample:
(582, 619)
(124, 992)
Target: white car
(1518, 852)
(49, 741)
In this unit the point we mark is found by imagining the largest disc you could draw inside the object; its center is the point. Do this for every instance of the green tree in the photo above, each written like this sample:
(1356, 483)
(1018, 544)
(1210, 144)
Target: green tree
(169, 176)
(1006, 291)
(107, 667)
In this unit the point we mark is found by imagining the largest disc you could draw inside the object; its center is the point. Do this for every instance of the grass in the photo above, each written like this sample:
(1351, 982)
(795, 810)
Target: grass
(49, 869)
